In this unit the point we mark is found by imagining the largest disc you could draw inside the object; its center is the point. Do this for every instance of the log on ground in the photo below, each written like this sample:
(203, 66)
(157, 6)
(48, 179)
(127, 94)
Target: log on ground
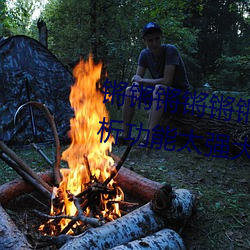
(18, 187)
(161, 240)
(10, 237)
(140, 187)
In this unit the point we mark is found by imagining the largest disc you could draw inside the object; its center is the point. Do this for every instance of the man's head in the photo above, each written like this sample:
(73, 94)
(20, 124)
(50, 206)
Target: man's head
(152, 36)
(150, 28)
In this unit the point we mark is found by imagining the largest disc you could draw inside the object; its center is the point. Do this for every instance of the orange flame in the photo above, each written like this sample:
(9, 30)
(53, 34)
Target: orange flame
(89, 109)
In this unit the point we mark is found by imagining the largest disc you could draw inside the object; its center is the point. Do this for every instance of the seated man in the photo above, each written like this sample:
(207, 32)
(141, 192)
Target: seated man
(167, 70)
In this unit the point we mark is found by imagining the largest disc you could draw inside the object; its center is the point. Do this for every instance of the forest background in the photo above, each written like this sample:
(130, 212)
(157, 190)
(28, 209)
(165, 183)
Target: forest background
(213, 36)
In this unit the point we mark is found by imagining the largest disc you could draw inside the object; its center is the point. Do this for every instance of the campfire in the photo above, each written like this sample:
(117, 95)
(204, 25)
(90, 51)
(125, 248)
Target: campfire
(87, 198)
(86, 188)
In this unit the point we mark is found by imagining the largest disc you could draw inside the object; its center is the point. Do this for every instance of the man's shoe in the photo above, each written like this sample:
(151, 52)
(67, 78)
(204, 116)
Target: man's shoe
(121, 141)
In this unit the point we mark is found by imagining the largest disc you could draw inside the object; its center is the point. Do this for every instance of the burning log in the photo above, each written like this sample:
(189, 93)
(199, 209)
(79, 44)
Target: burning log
(140, 187)
(166, 208)
(10, 237)
(163, 239)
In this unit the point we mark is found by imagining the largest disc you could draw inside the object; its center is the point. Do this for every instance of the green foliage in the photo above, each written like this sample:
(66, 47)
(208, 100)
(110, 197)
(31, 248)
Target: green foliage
(212, 36)
(4, 19)
(232, 73)
(20, 16)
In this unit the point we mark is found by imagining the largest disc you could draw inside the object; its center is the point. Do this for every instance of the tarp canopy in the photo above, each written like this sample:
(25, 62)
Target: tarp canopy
(30, 72)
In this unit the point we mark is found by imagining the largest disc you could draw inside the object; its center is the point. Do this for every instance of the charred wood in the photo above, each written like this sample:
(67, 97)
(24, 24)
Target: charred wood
(119, 165)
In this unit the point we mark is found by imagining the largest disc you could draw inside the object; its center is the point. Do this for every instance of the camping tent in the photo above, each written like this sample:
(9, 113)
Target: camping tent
(30, 72)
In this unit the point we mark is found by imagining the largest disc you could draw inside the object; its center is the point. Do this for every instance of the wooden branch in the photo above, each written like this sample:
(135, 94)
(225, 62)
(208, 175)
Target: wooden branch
(10, 237)
(23, 165)
(26, 176)
(118, 166)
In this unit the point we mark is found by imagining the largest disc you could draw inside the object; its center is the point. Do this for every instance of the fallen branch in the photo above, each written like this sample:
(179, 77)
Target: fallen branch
(43, 154)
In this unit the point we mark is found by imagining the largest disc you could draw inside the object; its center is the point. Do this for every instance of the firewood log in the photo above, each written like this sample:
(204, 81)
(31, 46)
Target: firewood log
(150, 218)
(136, 185)
(10, 237)
(131, 182)
(18, 187)
(161, 240)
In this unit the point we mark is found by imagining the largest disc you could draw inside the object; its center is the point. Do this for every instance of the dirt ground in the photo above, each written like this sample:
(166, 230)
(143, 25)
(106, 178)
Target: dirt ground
(220, 185)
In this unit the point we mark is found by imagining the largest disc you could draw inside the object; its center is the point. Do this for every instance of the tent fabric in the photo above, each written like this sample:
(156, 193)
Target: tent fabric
(30, 72)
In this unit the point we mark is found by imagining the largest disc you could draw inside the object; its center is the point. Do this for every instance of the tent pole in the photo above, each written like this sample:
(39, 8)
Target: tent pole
(33, 125)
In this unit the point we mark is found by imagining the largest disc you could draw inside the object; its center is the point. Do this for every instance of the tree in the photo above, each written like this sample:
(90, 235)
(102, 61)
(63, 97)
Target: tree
(4, 20)
(111, 30)
(223, 32)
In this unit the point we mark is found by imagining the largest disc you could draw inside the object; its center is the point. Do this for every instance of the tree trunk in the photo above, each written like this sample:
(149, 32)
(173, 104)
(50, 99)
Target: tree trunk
(10, 237)
(43, 32)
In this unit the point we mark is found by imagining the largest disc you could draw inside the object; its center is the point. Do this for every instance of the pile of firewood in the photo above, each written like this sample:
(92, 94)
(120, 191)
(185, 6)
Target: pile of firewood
(155, 224)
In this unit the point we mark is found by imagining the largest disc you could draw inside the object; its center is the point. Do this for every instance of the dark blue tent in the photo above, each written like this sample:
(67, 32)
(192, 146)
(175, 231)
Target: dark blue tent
(29, 71)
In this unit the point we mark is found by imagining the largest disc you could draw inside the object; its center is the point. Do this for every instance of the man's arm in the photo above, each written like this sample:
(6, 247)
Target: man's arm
(140, 71)
(166, 80)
